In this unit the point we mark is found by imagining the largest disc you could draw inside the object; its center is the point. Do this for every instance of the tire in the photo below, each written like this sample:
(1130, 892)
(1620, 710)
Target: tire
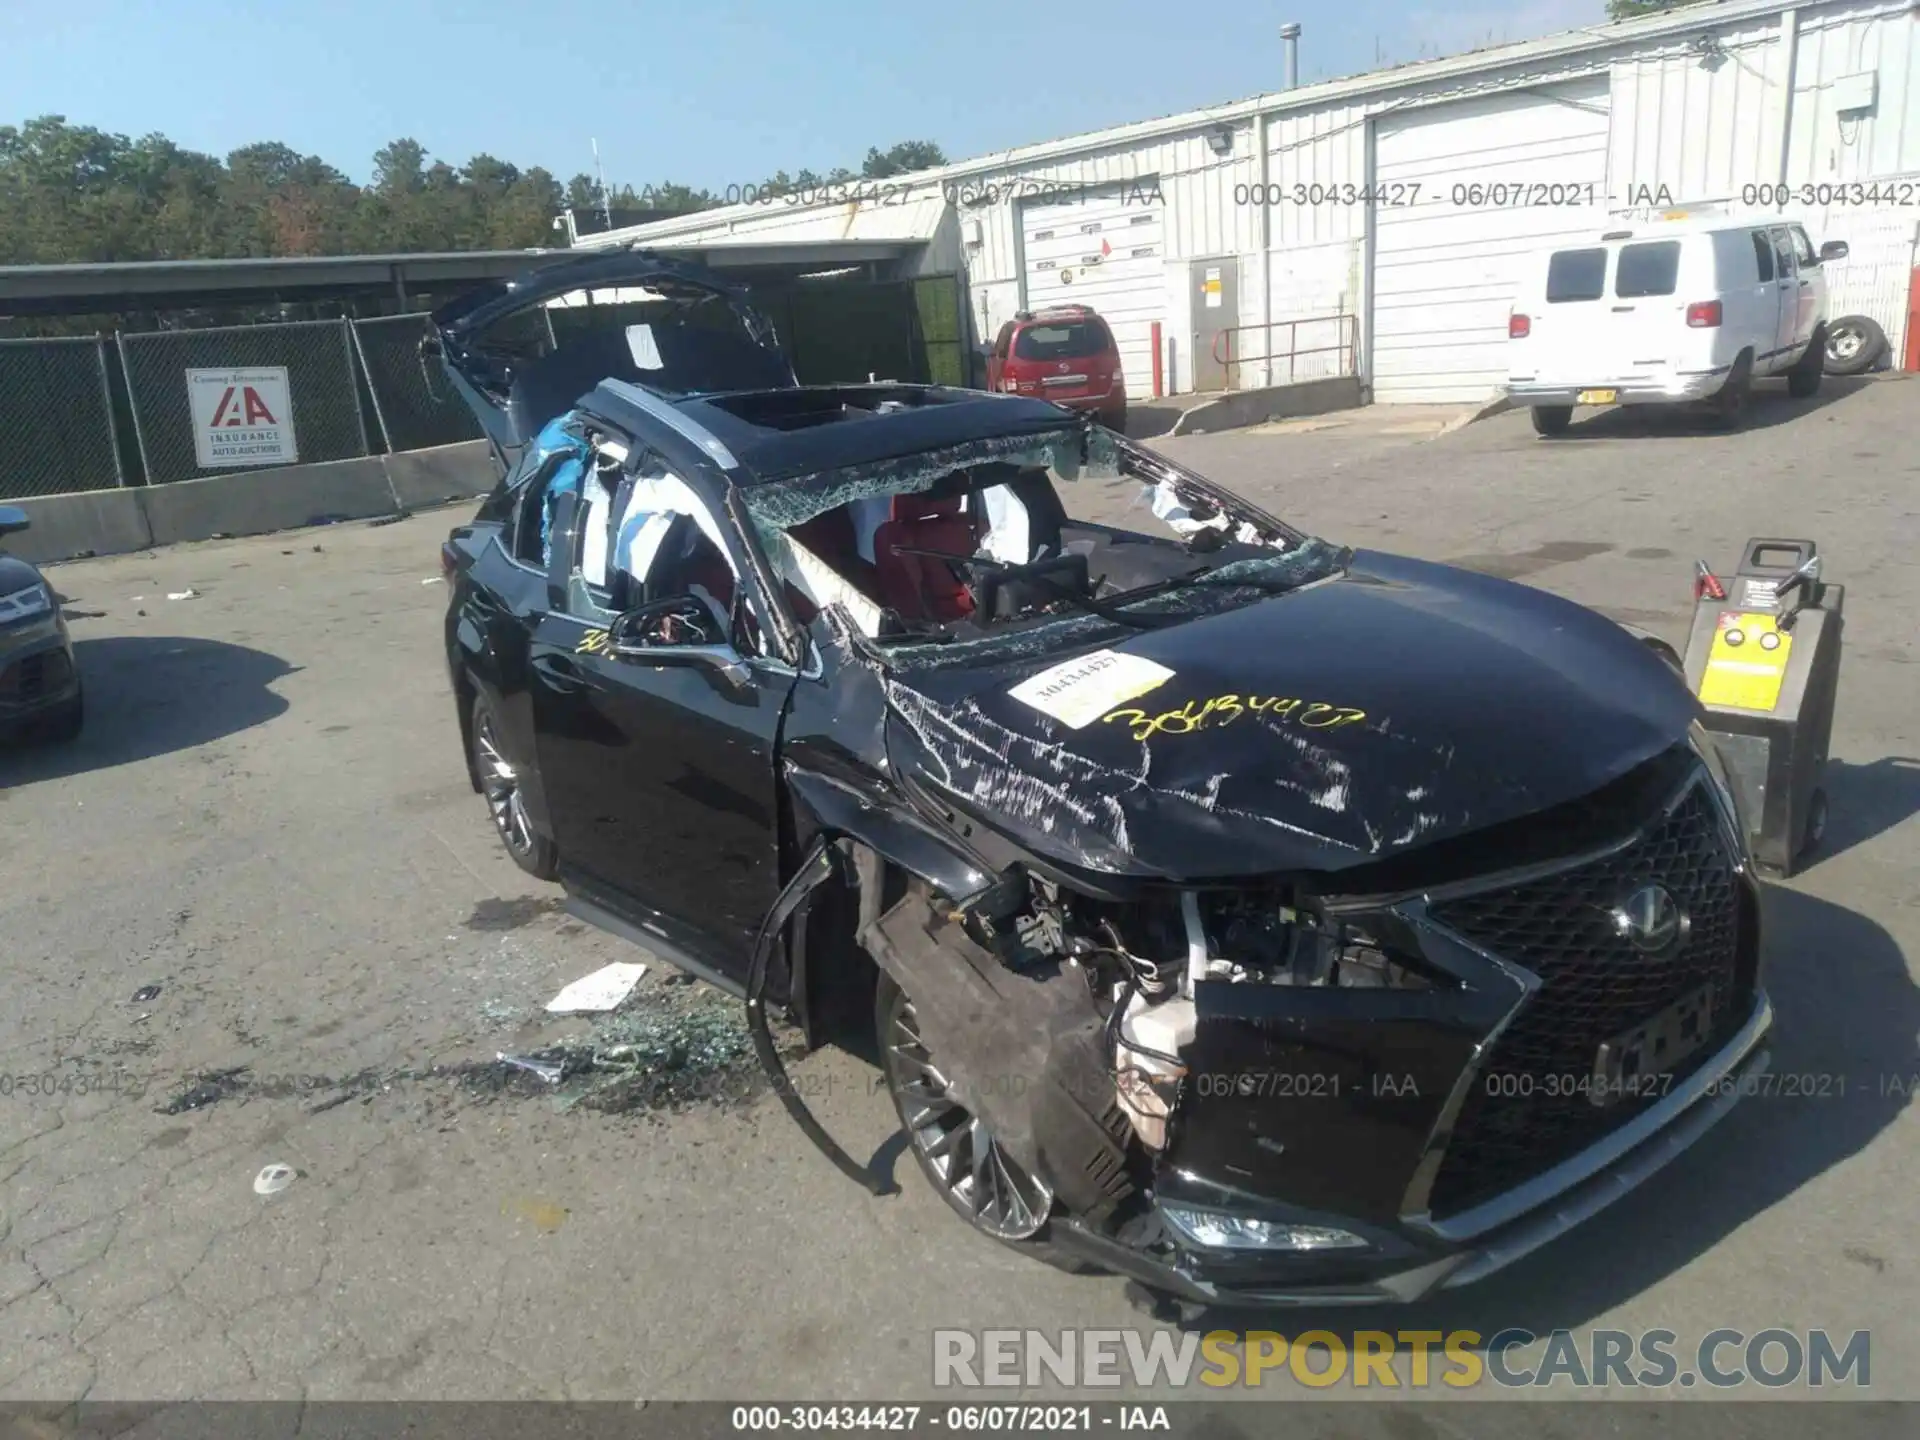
(529, 849)
(1552, 419)
(1730, 405)
(1803, 381)
(979, 1181)
(63, 726)
(1854, 345)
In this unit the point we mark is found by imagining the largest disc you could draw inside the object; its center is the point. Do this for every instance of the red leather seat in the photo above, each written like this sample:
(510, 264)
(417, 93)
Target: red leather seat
(922, 587)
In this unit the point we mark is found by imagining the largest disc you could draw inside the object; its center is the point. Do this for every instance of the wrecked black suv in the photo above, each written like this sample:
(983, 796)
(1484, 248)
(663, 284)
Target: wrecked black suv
(1255, 917)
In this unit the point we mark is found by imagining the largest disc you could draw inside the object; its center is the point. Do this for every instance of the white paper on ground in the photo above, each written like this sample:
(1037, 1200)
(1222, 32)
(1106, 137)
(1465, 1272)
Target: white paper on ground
(604, 989)
(1078, 692)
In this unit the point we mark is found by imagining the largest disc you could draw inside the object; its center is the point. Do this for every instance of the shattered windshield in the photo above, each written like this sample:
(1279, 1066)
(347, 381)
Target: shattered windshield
(1014, 546)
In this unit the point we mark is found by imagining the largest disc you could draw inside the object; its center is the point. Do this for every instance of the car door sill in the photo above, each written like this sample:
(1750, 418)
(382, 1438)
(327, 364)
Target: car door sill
(602, 918)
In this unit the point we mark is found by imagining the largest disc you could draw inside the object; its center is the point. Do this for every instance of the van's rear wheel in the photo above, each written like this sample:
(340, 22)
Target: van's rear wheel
(1730, 405)
(1552, 419)
(1803, 381)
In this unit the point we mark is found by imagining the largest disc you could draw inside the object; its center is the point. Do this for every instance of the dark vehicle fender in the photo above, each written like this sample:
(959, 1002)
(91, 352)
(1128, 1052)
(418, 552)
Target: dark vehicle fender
(832, 978)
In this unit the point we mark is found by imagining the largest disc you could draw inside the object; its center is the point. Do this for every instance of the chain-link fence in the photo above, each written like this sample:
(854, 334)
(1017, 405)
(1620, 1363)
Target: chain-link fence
(413, 403)
(244, 397)
(56, 418)
(90, 413)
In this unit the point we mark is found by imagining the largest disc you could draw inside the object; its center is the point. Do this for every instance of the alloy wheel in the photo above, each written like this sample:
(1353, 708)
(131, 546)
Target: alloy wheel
(973, 1172)
(1844, 342)
(502, 789)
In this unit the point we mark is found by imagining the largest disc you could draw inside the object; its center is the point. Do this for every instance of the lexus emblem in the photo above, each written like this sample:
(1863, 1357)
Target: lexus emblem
(1651, 921)
(1063, 366)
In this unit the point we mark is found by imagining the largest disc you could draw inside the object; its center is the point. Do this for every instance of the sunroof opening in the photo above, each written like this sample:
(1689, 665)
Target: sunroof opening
(803, 409)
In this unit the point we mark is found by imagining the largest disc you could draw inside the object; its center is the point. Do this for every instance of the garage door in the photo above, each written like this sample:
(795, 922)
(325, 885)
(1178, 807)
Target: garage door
(1466, 193)
(1104, 248)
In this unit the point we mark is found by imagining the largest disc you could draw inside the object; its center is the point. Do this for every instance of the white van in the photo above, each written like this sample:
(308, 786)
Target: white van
(1669, 312)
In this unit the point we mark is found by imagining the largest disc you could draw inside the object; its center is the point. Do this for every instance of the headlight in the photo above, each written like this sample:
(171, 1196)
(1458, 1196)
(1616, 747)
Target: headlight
(25, 604)
(1218, 1231)
(1702, 742)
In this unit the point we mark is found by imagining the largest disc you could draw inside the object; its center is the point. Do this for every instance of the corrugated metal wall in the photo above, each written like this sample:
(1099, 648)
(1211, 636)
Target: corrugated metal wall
(1696, 117)
(1828, 146)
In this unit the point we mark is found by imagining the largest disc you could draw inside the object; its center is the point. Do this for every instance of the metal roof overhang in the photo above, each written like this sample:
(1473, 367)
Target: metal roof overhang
(173, 284)
(796, 254)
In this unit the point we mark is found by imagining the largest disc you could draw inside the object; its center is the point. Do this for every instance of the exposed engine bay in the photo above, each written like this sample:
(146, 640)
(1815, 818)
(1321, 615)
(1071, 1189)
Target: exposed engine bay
(1124, 978)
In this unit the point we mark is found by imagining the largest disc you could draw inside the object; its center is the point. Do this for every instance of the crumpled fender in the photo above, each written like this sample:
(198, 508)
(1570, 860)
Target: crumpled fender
(841, 805)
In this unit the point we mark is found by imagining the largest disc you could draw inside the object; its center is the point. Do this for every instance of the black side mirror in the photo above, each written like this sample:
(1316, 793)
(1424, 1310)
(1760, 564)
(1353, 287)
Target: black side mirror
(13, 520)
(678, 631)
(1833, 250)
(665, 624)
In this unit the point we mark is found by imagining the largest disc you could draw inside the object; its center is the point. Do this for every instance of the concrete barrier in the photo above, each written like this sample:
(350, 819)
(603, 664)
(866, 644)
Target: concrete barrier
(249, 502)
(461, 471)
(252, 502)
(1276, 402)
(86, 522)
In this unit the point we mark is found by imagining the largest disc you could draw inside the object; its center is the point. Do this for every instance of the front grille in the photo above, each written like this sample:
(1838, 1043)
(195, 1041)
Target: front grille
(1593, 987)
(28, 679)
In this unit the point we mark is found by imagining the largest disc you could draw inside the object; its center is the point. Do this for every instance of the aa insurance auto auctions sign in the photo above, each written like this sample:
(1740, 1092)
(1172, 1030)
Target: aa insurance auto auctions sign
(242, 417)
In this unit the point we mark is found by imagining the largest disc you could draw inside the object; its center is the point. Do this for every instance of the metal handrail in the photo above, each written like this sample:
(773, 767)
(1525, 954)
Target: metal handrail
(1347, 345)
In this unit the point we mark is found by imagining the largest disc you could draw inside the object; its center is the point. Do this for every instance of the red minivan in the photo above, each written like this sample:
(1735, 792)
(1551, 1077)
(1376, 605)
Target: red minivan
(1065, 354)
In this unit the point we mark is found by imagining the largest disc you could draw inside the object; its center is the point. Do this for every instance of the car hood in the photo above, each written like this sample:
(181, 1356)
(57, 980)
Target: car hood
(1398, 705)
(514, 389)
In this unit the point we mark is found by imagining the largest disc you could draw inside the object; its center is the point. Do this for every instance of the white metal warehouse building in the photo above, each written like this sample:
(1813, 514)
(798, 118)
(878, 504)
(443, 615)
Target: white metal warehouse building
(1401, 200)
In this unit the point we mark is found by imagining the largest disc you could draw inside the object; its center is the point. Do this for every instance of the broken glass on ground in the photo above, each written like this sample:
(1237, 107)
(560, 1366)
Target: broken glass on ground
(688, 1045)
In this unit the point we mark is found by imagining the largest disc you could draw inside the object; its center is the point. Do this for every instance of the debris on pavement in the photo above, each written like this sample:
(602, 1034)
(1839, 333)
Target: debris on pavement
(208, 1089)
(146, 993)
(187, 594)
(433, 580)
(687, 1045)
(272, 1179)
(652, 1058)
(549, 1068)
(605, 989)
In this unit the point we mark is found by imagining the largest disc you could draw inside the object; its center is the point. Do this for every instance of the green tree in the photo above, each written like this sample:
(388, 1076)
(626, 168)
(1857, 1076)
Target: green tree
(1634, 9)
(72, 193)
(399, 168)
(902, 159)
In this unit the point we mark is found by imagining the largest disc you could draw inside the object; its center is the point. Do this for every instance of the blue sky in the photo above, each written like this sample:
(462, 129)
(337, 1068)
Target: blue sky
(712, 93)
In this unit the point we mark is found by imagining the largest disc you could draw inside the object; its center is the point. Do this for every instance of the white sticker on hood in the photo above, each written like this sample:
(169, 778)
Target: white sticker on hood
(1078, 692)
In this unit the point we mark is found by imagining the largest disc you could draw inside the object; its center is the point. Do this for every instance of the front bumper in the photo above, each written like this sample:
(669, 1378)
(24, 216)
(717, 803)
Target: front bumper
(1442, 1255)
(1110, 400)
(37, 672)
(1679, 389)
(1436, 1126)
